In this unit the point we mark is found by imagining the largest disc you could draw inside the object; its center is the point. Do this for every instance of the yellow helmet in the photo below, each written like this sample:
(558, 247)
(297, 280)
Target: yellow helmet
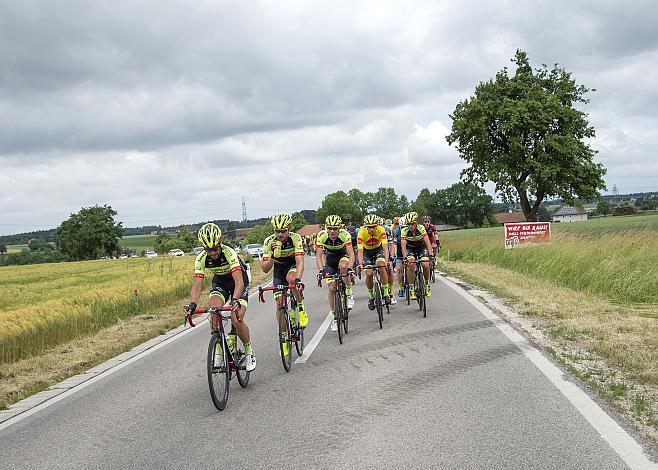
(370, 219)
(411, 217)
(281, 221)
(210, 235)
(333, 221)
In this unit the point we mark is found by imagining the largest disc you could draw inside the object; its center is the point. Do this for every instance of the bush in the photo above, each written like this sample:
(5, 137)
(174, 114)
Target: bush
(625, 210)
(37, 257)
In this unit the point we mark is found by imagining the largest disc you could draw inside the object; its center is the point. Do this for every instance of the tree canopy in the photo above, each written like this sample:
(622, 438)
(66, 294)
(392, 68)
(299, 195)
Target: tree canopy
(524, 134)
(89, 233)
(339, 203)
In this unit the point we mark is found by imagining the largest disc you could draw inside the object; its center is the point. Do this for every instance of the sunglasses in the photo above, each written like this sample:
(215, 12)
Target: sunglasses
(281, 231)
(333, 228)
(213, 250)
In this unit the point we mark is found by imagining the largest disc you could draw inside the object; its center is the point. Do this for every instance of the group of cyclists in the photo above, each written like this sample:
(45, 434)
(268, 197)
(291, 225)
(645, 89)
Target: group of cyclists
(387, 246)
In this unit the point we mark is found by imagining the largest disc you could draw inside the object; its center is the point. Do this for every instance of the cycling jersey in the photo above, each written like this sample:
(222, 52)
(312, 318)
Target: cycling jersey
(397, 235)
(416, 237)
(369, 242)
(291, 247)
(227, 262)
(431, 234)
(340, 243)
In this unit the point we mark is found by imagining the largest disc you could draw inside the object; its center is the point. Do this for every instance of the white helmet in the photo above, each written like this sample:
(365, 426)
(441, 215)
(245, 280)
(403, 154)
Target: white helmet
(403, 221)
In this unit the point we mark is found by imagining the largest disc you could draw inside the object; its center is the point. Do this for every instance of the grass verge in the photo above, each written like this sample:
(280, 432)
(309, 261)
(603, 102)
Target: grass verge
(23, 378)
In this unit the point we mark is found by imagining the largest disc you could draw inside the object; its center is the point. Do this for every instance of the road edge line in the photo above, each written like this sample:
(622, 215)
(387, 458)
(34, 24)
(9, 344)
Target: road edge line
(628, 449)
(310, 347)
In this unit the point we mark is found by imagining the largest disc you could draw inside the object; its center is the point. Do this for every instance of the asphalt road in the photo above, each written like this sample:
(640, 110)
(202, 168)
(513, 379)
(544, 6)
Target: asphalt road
(447, 391)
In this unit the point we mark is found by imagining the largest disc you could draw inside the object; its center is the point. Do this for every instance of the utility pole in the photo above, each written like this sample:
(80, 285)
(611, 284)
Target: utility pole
(615, 193)
(244, 211)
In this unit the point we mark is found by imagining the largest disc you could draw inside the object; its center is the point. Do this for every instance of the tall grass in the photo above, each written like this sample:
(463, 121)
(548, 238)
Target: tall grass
(44, 305)
(616, 258)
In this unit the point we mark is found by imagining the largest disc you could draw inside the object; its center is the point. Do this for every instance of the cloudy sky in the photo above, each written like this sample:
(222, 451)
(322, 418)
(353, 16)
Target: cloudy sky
(171, 112)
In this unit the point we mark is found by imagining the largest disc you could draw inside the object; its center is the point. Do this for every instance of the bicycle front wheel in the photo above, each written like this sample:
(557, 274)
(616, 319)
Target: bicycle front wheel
(420, 290)
(378, 303)
(218, 370)
(285, 344)
(346, 312)
(338, 314)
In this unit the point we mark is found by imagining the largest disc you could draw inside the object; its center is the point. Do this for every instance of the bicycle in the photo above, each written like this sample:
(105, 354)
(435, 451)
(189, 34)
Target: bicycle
(379, 293)
(419, 286)
(432, 269)
(341, 311)
(293, 332)
(222, 364)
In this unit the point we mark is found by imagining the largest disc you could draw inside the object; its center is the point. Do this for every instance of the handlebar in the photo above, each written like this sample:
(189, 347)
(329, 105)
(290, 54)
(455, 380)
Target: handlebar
(212, 311)
(261, 290)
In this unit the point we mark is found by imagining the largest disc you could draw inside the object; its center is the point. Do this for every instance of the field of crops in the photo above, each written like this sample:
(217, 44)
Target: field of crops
(44, 305)
(138, 243)
(613, 257)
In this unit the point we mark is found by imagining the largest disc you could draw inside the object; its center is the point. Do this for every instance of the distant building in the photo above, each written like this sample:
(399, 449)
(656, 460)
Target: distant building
(445, 227)
(509, 217)
(570, 214)
(309, 230)
(241, 233)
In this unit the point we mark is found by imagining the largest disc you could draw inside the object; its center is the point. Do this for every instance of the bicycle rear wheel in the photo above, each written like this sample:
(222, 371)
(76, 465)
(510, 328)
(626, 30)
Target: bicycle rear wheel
(346, 312)
(420, 291)
(241, 372)
(433, 271)
(286, 359)
(378, 303)
(218, 370)
(299, 344)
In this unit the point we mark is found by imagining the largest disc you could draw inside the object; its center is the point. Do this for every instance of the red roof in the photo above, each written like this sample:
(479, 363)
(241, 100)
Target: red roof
(507, 217)
(309, 229)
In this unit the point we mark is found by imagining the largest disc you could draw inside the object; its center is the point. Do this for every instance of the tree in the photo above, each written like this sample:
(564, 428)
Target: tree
(464, 204)
(187, 239)
(524, 134)
(162, 242)
(298, 221)
(36, 244)
(89, 233)
(3, 248)
(229, 230)
(258, 233)
(339, 203)
(425, 204)
(386, 203)
(363, 200)
(649, 204)
(603, 207)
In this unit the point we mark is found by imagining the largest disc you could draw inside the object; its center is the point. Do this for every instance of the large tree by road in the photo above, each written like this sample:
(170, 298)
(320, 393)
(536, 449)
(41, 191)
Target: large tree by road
(524, 134)
(89, 233)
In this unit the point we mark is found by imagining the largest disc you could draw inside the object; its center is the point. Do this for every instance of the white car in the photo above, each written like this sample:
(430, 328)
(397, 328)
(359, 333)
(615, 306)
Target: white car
(254, 249)
(151, 254)
(124, 256)
(176, 252)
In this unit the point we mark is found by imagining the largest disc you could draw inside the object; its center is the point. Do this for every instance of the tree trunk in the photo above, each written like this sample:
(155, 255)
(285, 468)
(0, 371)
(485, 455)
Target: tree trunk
(525, 205)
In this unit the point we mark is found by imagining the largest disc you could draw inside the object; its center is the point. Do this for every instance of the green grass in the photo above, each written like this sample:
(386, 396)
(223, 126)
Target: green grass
(138, 243)
(614, 257)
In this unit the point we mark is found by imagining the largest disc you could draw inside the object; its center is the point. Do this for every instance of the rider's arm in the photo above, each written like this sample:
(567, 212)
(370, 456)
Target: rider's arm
(299, 255)
(268, 256)
(239, 283)
(195, 292)
(350, 255)
(403, 245)
(319, 257)
(428, 245)
(360, 256)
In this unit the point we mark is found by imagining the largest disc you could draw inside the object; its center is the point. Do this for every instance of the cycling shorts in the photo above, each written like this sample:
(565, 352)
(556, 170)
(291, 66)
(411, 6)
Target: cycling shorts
(283, 266)
(224, 286)
(373, 256)
(417, 252)
(332, 261)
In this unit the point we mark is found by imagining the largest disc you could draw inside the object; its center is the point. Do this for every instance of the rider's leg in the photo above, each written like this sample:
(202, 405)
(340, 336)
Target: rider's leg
(383, 276)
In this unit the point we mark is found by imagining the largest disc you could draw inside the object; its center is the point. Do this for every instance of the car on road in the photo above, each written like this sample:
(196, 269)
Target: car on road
(124, 256)
(151, 254)
(254, 249)
(176, 252)
(197, 250)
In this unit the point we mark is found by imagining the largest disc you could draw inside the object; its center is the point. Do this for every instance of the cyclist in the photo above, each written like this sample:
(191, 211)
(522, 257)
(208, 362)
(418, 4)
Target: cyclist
(416, 246)
(389, 235)
(334, 252)
(283, 250)
(372, 246)
(229, 280)
(397, 252)
(432, 234)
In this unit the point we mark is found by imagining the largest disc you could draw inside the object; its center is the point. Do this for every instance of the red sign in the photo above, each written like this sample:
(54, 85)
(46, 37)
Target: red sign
(526, 233)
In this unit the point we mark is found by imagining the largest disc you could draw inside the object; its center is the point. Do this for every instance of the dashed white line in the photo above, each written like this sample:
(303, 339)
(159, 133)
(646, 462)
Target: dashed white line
(308, 350)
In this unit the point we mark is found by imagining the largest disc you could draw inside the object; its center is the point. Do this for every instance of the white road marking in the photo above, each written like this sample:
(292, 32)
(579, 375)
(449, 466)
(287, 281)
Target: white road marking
(621, 442)
(308, 350)
(102, 375)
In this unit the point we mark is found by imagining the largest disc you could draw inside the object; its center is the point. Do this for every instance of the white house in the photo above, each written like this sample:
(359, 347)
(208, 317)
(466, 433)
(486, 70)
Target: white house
(570, 214)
